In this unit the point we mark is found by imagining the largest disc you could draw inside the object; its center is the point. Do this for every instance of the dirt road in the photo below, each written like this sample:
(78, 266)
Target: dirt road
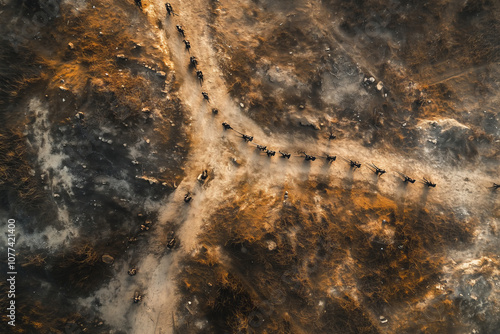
(214, 149)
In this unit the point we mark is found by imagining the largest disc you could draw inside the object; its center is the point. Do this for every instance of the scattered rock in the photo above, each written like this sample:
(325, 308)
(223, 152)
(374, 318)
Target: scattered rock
(121, 56)
(242, 105)
(161, 74)
(106, 258)
(63, 89)
(380, 85)
(71, 46)
(383, 320)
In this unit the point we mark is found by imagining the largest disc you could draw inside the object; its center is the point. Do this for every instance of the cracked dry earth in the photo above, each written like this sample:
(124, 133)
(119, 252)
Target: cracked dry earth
(110, 131)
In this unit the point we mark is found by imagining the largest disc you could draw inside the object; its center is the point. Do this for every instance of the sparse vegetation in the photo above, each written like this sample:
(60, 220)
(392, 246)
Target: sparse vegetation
(346, 257)
(338, 256)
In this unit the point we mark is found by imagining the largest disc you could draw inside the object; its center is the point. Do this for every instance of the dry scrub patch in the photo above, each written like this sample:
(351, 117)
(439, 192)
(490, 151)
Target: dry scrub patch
(355, 256)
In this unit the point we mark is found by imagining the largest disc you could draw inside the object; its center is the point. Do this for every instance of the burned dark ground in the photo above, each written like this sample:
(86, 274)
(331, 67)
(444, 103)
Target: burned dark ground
(105, 131)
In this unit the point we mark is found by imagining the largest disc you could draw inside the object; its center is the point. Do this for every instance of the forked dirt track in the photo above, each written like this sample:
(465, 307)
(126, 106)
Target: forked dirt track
(214, 149)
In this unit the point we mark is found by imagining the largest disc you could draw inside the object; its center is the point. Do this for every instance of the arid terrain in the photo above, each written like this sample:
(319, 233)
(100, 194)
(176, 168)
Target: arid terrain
(324, 166)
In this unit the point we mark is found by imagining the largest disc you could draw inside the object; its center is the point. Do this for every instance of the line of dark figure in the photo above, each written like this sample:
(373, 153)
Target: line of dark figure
(193, 63)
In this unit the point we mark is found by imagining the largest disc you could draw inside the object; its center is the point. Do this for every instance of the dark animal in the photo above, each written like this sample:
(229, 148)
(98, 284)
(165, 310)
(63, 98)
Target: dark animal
(262, 148)
(377, 170)
(171, 240)
(199, 74)
(310, 157)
